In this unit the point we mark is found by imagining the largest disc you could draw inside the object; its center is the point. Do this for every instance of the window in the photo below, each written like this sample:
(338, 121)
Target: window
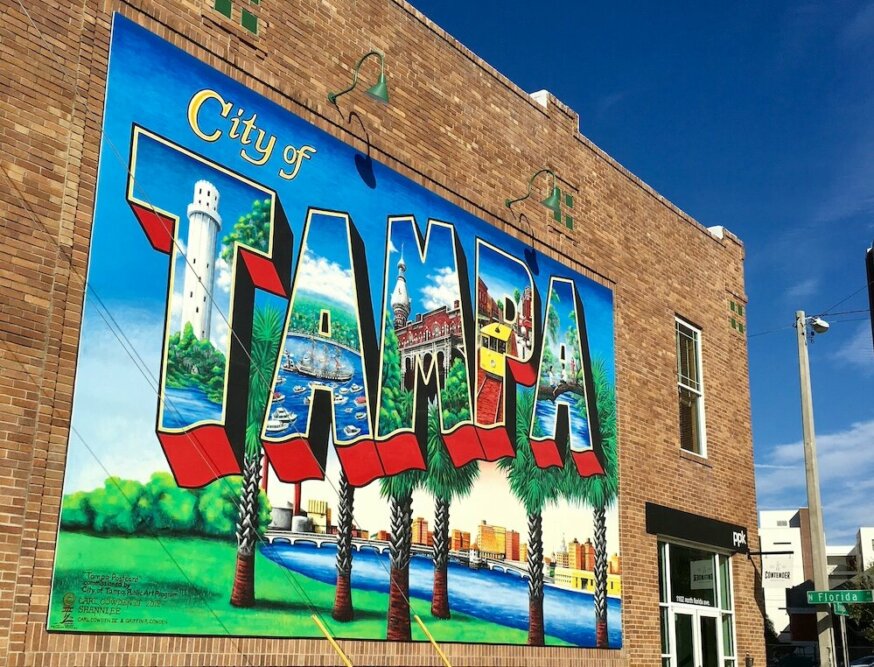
(690, 388)
(696, 607)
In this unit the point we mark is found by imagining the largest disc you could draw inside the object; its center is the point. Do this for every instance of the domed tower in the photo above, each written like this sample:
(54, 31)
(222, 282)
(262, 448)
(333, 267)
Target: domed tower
(400, 299)
(204, 223)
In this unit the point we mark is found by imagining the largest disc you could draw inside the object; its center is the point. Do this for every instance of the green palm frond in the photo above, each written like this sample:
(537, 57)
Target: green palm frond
(443, 479)
(401, 485)
(266, 334)
(533, 486)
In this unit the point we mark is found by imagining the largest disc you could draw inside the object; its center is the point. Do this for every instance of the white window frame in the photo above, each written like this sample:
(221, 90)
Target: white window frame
(717, 611)
(699, 391)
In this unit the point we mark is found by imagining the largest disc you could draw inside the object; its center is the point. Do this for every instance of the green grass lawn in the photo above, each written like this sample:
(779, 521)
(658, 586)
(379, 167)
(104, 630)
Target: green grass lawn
(183, 585)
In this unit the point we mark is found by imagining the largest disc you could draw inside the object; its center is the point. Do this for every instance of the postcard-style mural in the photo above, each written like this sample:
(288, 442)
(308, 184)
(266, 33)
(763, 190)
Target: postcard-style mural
(308, 386)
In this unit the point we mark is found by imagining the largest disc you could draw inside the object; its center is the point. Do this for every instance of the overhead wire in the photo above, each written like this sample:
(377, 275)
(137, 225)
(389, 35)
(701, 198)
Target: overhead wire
(142, 368)
(118, 331)
(130, 349)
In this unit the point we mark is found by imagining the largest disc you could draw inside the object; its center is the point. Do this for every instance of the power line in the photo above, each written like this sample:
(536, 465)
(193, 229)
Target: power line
(845, 299)
(132, 351)
(770, 331)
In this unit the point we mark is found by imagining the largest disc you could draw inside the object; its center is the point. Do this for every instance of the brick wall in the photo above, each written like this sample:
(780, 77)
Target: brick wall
(456, 126)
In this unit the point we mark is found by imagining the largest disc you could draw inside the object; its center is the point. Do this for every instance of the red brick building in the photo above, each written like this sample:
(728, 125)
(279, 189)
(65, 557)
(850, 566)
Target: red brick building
(686, 496)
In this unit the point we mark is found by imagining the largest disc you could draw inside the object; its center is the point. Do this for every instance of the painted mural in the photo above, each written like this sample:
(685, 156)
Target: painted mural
(310, 388)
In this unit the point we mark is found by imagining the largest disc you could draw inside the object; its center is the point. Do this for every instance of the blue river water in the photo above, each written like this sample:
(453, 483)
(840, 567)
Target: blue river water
(485, 594)
(186, 406)
(545, 412)
(346, 414)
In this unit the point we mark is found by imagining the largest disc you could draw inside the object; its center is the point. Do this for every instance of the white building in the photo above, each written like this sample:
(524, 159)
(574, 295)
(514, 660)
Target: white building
(204, 223)
(789, 530)
(847, 561)
(782, 530)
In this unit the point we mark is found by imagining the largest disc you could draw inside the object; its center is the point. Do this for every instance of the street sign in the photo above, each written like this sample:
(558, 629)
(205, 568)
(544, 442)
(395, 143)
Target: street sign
(840, 609)
(830, 597)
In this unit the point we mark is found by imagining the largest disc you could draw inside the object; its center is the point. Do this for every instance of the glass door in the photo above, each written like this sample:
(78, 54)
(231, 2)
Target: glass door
(696, 638)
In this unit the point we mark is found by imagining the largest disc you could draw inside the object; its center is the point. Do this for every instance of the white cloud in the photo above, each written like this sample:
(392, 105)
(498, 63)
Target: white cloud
(219, 332)
(846, 471)
(443, 291)
(223, 277)
(858, 351)
(391, 247)
(320, 276)
(803, 290)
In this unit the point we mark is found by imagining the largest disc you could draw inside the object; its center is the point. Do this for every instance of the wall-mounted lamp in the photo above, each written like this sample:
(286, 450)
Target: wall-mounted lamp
(749, 661)
(378, 91)
(552, 202)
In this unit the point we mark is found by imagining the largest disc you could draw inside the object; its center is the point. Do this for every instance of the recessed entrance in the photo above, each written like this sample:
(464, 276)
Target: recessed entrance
(696, 638)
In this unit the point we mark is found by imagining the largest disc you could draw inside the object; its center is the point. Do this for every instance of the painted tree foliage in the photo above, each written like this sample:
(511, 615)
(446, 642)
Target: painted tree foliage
(446, 483)
(192, 362)
(455, 395)
(396, 406)
(266, 336)
(599, 491)
(158, 507)
(535, 488)
(252, 230)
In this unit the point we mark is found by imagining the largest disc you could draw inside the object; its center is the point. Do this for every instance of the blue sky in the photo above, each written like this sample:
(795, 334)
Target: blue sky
(758, 117)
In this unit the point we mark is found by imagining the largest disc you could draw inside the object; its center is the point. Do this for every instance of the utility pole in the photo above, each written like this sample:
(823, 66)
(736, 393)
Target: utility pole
(814, 505)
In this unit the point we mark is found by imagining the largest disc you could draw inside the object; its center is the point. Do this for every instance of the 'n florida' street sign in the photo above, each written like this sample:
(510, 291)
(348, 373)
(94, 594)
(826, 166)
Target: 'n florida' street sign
(845, 597)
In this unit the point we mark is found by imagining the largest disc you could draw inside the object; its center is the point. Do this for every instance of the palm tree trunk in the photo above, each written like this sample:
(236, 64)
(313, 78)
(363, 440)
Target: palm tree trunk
(243, 591)
(399, 577)
(535, 580)
(343, 610)
(600, 519)
(440, 594)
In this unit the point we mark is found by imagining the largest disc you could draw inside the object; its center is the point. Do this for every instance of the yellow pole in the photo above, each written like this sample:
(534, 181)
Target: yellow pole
(431, 639)
(318, 621)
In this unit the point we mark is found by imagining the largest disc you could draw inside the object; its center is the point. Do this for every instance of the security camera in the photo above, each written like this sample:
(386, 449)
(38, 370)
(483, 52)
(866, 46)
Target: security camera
(819, 325)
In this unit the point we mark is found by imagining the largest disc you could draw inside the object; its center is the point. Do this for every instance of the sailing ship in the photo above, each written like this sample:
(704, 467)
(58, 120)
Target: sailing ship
(323, 363)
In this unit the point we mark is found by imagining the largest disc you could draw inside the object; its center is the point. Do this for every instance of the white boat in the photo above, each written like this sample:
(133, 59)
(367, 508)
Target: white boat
(299, 388)
(360, 415)
(356, 388)
(344, 390)
(277, 397)
(274, 425)
(283, 415)
(307, 400)
(348, 410)
(280, 380)
(340, 400)
(351, 431)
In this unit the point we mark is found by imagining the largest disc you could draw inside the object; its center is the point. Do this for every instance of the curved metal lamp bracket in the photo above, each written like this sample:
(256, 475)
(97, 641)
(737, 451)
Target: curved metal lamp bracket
(332, 97)
(510, 202)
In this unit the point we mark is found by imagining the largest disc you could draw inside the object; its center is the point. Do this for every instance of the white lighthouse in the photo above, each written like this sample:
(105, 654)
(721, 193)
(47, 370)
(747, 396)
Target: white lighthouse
(204, 223)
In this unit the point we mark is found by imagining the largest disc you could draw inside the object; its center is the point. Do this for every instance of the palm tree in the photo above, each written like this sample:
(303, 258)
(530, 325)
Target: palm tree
(343, 610)
(266, 334)
(399, 491)
(598, 492)
(445, 482)
(535, 488)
